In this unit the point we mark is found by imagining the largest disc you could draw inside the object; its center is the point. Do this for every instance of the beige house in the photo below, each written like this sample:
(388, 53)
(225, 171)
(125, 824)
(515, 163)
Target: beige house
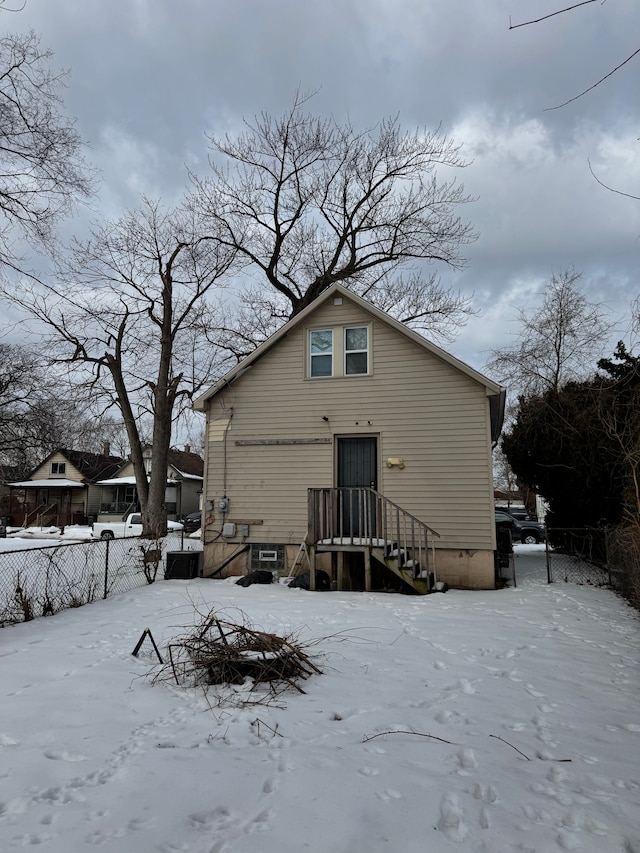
(119, 496)
(62, 490)
(348, 431)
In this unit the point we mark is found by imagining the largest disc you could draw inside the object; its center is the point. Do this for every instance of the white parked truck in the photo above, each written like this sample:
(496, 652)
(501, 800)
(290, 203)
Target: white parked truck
(132, 526)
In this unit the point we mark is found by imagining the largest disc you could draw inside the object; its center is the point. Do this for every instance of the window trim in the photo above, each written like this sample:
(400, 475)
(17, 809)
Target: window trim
(339, 351)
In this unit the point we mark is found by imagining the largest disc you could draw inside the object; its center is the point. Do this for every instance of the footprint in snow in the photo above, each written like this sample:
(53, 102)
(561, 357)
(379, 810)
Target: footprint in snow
(63, 755)
(486, 793)
(451, 820)
(376, 750)
(467, 760)
(389, 794)
(368, 771)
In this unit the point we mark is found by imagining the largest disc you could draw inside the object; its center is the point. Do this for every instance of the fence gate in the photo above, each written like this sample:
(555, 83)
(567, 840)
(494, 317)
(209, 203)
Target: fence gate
(577, 555)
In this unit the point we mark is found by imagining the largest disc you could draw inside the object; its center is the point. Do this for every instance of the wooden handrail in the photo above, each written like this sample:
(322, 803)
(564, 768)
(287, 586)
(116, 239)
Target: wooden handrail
(362, 517)
(52, 509)
(30, 516)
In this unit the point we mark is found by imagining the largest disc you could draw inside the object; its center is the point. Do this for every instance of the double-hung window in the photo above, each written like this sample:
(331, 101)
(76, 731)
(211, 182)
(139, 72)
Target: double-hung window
(356, 350)
(340, 351)
(58, 468)
(321, 349)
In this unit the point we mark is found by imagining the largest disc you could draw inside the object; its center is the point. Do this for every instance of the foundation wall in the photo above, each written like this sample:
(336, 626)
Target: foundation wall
(460, 569)
(466, 569)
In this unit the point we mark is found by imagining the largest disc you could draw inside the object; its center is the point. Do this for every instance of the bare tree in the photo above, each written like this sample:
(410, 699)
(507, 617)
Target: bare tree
(42, 171)
(125, 316)
(556, 343)
(306, 202)
(20, 374)
(41, 410)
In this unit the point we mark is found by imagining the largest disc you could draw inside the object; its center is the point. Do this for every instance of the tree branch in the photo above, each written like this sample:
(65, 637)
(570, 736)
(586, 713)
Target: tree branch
(551, 15)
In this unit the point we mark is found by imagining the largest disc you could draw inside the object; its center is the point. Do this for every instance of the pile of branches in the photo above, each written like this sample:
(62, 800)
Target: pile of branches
(222, 652)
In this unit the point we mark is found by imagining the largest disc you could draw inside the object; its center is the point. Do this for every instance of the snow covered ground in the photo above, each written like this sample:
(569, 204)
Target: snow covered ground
(531, 696)
(20, 538)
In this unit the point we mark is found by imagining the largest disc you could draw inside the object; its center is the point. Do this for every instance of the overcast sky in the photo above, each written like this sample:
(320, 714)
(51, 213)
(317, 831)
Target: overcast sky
(150, 77)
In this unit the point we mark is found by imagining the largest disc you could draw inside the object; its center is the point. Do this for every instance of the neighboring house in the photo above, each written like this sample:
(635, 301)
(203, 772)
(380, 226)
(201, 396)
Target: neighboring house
(184, 486)
(62, 489)
(350, 430)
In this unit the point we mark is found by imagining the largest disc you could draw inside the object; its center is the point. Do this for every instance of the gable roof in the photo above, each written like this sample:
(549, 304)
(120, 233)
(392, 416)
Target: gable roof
(186, 463)
(495, 392)
(92, 466)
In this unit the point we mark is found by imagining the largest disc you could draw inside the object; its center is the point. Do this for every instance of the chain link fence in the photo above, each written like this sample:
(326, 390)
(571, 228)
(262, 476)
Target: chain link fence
(41, 581)
(623, 552)
(578, 555)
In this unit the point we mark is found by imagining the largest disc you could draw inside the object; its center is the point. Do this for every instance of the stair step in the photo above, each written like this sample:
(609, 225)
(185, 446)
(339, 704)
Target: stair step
(409, 571)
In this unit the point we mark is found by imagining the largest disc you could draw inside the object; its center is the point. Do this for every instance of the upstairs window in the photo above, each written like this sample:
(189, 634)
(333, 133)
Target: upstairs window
(356, 350)
(58, 468)
(321, 348)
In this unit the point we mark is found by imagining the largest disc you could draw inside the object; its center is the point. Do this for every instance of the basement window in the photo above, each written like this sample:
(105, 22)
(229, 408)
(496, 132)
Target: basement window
(264, 555)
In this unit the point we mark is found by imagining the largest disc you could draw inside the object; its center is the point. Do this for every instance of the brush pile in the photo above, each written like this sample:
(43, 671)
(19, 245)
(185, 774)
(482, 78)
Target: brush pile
(221, 652)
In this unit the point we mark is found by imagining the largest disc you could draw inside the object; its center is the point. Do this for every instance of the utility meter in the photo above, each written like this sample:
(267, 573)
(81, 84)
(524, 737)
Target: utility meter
(223, 504)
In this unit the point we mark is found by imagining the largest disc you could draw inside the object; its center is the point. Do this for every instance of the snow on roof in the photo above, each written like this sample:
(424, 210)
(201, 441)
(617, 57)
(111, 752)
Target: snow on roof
(58, 483)
(126, 481)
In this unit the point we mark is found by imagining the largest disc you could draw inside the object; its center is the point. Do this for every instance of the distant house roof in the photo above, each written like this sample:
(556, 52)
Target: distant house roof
(187, 463)
(92, 466)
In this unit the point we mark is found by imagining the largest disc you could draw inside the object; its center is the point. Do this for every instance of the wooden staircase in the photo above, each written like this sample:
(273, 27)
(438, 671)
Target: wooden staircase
(406, 569)
(363, 520)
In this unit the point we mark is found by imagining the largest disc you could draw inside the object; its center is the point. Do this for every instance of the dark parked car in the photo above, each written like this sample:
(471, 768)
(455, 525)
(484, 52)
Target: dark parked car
(528, 532)
(192, 522)
(519, 513)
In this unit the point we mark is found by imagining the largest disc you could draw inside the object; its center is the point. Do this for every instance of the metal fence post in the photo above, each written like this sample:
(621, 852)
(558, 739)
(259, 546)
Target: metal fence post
(548, 557)
(106, 570)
